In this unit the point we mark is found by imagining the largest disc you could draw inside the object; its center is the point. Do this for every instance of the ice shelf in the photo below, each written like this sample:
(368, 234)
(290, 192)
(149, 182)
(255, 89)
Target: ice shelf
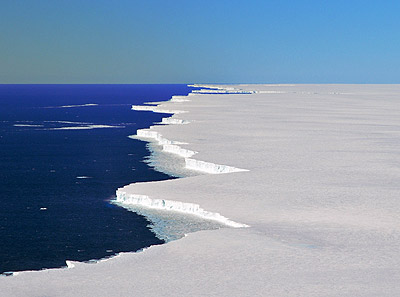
(321, 198)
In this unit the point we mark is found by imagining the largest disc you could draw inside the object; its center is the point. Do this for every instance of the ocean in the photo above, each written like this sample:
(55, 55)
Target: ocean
(64, 150)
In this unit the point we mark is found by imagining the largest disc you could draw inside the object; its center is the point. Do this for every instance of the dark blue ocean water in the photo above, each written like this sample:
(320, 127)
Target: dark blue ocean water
(55, 184)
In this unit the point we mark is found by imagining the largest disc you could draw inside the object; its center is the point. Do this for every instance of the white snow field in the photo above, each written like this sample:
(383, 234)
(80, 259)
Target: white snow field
(320, 195)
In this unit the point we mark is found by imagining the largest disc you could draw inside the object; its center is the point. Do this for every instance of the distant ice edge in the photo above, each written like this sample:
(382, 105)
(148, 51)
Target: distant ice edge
(189, 208)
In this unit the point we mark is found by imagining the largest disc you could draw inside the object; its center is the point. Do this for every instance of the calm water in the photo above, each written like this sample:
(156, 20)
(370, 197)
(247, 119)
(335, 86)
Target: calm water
(57, 174)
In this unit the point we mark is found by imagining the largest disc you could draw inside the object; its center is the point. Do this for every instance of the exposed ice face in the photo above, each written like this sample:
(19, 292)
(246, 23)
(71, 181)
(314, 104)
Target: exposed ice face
(208, 167)
(177, 150)
(168, 163)
(172, 147)
(179, 99)
(173, 121)
(171, 225)
(126, 199)
(155, 109)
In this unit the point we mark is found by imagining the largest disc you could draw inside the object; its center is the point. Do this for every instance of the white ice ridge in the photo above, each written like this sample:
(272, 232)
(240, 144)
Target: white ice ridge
(209, 167)
(155, 109)
(184, 207)
(168, 145)
(177, 150)
(172, 121)
(179, 98)
(192, 164)
(210, 87)
(148, 133)
(222, 91)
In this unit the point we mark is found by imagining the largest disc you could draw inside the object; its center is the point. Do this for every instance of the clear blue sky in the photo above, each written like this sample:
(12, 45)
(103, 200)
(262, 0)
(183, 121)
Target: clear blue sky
(151, 41)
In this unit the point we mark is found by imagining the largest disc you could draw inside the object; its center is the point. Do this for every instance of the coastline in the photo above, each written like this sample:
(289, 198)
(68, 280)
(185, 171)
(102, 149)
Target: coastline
(319, 157)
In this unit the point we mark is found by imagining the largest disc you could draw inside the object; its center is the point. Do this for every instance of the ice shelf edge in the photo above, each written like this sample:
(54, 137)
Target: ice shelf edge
(189, 208)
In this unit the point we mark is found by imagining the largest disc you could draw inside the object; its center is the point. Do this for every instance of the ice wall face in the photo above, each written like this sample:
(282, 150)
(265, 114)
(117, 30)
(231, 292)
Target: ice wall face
(189, 208)
(177, 150)
(192, 164)
(211, 168)
(154, 108)
(172, 121)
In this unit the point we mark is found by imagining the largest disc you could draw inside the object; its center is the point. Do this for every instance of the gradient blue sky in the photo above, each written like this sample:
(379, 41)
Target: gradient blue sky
(149, 41)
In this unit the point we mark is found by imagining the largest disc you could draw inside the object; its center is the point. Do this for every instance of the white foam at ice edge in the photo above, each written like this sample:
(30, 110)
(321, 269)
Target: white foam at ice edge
(189, 208)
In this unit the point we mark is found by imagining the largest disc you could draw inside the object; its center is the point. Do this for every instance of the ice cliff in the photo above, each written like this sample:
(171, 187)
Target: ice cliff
(188, 208)
(154, 108)
(192, 164)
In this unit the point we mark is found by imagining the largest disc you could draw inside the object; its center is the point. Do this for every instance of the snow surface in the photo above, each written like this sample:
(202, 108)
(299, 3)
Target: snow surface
(321, 197)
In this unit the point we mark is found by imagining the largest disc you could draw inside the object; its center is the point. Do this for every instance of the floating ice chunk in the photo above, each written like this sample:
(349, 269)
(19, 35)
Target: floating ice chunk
(70, 264)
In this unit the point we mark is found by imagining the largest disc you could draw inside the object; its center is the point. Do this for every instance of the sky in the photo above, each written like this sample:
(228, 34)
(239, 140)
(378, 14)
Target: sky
(151, 41)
